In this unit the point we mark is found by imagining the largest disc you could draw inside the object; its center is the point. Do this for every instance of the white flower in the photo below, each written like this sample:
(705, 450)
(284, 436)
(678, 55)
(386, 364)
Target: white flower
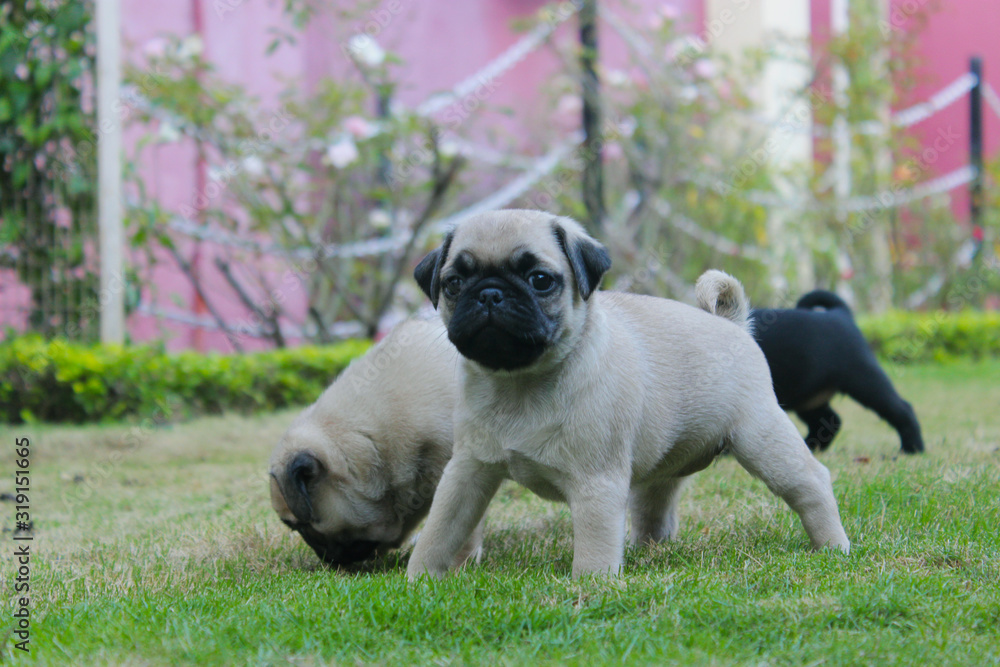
(342, 152)
(687, 93)
(253, 165)
(379, 219)
(190, 47)
(631, 199)
(616, 78)
(397, 109)
(449, 148)
(167, 133)
(684, 46)
(365, 50)
(627, 126)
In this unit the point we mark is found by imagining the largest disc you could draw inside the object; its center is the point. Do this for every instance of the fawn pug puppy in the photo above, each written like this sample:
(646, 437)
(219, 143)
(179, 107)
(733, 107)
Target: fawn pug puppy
(603, 400)
(356, 471)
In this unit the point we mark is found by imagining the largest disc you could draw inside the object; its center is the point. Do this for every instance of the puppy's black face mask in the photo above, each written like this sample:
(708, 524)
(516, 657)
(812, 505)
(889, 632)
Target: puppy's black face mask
(502, 316)
(506, 312)
(296, 487)
(337, 550)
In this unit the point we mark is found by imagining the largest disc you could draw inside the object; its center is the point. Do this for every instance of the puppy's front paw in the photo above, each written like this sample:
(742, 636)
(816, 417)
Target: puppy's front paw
(417, 571)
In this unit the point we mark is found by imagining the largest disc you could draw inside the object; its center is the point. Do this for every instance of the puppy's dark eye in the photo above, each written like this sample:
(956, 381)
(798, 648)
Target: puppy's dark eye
(541, 281)
(453, 285)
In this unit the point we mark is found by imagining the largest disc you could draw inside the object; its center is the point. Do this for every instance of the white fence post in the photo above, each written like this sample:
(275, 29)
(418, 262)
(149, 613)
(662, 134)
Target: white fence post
(109, 171)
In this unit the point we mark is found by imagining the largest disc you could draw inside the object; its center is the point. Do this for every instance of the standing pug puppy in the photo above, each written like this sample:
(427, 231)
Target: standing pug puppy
(603, 400)
(815, 355)
(356, 471)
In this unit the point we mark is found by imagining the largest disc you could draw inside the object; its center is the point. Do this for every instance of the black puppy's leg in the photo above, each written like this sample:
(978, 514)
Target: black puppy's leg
(871, 387)
(823, 425)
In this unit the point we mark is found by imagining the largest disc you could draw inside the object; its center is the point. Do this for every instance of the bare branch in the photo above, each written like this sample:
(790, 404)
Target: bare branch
(272, 329)
(324, 333)
(442, 183)
(188, 271)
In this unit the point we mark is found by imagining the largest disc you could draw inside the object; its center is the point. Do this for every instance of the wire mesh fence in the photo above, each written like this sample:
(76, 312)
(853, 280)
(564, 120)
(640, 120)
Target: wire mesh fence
(49, 265)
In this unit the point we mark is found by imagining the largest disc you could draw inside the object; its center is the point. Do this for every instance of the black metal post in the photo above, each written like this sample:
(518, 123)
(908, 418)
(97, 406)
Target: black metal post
(976, 148)
(593, 176)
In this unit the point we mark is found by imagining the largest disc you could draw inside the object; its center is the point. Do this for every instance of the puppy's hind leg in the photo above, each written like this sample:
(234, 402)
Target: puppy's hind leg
(823, 423)
(773, 451)
(654, 511)
(873, 389)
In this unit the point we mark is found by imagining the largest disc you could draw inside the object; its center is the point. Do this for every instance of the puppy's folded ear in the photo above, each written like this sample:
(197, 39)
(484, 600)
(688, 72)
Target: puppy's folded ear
(295, 482)
(428, 271)
(588, 259)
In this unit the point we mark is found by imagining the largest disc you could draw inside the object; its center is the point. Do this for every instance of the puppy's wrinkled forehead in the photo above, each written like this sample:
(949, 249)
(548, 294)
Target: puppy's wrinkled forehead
(509, 239)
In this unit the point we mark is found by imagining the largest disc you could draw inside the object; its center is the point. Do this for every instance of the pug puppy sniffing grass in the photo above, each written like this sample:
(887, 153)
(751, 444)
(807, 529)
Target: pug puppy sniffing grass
(606, 401)
(356, 471)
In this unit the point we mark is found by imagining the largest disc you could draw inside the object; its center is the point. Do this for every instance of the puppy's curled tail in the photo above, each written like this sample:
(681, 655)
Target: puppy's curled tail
(719, 293)
(822, 299)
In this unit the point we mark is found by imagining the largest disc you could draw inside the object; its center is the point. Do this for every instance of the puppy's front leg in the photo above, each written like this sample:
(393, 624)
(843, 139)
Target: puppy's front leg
(465, 489)
(598, 506)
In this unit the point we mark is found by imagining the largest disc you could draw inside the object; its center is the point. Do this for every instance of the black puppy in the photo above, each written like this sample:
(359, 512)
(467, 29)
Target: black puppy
(815, 354)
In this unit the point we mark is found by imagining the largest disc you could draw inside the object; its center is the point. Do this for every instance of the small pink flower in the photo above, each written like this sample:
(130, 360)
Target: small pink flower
(670, 12)
(360, 128)
(613, 151)
(704, 68)
(155, 48)
(568, 110)
(569, 105)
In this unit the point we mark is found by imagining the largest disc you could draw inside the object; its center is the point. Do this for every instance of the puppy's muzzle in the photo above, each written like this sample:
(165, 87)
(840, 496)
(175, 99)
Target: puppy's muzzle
(336, 552)
(498, 326)
(491, 296)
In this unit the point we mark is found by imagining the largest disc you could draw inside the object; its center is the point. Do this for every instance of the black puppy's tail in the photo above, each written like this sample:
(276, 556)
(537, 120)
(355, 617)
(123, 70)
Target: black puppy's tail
(720, 294)
(821, 298)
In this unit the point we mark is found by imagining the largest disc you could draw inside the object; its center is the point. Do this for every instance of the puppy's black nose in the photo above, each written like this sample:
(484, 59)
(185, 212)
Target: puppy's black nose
(491, 296)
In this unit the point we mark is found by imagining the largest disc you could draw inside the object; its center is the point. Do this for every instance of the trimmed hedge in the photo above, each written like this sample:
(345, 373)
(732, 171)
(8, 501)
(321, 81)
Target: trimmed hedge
(904, 337)
(62, 382)
(55, 381)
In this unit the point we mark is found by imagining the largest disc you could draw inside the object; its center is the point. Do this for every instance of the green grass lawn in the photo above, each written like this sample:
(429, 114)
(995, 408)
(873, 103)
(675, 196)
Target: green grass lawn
(159, 547)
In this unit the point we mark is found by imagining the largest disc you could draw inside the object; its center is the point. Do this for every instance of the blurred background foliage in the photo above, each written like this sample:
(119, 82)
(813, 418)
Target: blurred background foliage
(342, 186)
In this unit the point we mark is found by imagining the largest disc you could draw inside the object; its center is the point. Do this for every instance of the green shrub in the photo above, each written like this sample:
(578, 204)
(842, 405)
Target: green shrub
(65, 382)
(904, 337)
